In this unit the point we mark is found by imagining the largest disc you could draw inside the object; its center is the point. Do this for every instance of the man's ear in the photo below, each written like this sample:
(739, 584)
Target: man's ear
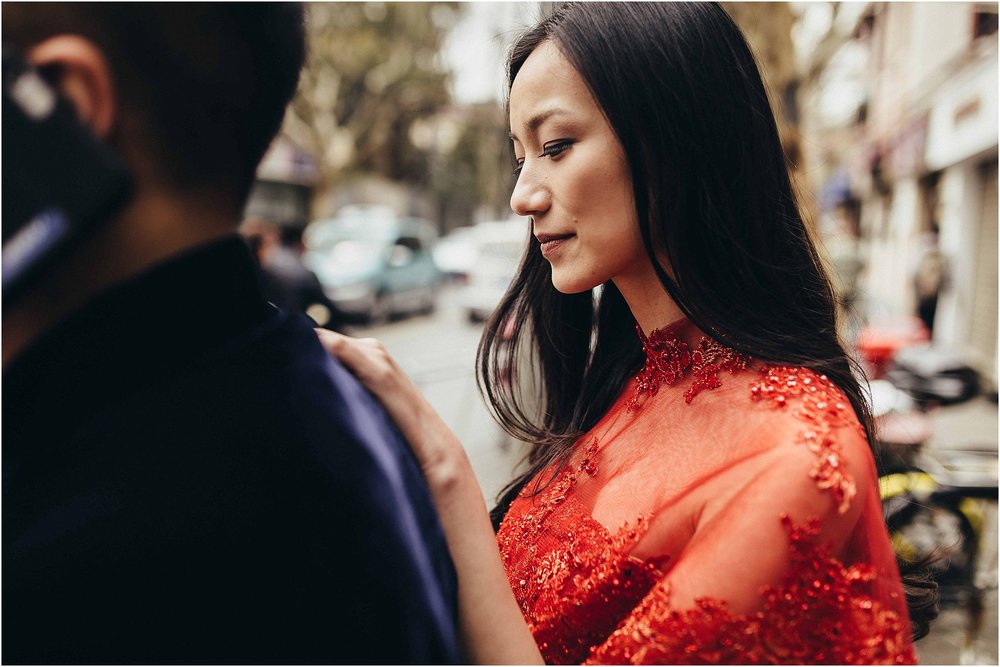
(78, 68)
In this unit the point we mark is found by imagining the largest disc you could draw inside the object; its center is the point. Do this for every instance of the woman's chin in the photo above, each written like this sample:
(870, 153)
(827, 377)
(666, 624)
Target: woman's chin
(568, 285)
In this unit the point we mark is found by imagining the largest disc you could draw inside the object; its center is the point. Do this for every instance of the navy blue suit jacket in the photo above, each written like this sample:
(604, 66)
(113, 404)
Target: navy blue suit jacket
(189, 478)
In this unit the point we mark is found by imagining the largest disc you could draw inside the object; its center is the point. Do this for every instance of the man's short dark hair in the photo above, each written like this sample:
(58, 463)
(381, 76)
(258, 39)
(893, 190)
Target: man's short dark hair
(207, 82)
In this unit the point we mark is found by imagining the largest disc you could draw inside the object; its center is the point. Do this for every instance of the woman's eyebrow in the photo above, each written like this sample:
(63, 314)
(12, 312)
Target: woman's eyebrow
(534, 122)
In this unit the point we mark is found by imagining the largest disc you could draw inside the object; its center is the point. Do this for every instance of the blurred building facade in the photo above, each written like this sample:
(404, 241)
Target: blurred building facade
(901, 112)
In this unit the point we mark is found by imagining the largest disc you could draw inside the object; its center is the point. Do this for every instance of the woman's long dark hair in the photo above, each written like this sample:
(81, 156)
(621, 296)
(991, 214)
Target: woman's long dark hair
(682, 92)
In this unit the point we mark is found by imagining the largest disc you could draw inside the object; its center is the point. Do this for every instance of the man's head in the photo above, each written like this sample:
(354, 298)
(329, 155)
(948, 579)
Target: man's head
(190, 95)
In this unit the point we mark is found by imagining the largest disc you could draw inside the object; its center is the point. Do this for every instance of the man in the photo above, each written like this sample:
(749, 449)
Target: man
(186, 476)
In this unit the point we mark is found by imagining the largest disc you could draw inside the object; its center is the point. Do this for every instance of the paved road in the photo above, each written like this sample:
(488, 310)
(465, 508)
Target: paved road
(439, 351)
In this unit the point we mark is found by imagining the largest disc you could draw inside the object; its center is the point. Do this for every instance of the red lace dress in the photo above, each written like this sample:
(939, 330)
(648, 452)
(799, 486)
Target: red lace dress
(721, 512)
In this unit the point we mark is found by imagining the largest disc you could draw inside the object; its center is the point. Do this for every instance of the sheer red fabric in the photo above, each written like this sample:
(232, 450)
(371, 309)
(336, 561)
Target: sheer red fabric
(723, 511)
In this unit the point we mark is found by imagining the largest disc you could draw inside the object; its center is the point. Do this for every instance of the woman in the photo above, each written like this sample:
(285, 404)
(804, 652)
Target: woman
(702, 487)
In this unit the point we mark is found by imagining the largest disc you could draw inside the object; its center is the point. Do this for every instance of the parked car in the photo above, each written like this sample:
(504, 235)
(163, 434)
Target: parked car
(499, 247)
(455, 253)
(374, 264)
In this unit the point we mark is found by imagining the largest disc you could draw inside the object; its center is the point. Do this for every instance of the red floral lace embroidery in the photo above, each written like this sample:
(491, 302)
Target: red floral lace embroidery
(669, 359)
(707, 361)
(824, 407)
(821, 613)
(518, 535)
(590, 600)
(586, 598)
(589, 568)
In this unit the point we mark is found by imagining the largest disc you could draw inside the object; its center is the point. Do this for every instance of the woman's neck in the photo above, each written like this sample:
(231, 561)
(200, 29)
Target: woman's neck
(649, 302)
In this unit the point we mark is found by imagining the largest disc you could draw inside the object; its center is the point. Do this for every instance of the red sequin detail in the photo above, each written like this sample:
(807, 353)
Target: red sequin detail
(586, 597)
(669, 359)
(825, 408)
(589, 600)
(590, 568)
(708, 361)
(820, 613)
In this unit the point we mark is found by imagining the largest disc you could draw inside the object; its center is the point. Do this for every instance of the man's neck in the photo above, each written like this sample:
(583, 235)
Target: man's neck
(151, 230)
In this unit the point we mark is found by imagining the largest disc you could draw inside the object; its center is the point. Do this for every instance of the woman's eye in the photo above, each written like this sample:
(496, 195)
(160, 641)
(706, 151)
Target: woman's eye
(556, 147)
(551, 149)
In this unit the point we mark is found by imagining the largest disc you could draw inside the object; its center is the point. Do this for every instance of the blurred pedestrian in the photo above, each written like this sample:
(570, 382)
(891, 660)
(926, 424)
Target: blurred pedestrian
(285, 279)
(702, 490)
(188, 477)
(929, 278)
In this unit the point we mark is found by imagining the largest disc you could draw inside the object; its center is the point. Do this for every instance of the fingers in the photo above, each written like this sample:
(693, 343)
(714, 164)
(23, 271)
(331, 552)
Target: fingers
(373, 366)
(339, 346)
(366, 358)
(348, 350)
(330, 340)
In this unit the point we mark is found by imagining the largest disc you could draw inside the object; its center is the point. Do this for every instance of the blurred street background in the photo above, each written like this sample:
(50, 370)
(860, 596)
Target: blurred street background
(381, 210)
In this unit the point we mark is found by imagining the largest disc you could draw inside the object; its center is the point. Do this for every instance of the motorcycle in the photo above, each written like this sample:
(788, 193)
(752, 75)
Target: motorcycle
(935, 500)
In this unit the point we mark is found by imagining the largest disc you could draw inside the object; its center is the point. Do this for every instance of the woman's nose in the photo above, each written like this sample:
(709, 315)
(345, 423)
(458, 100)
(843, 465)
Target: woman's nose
(531, 195)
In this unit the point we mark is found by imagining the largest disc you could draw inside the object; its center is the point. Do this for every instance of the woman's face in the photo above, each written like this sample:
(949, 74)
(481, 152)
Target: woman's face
(573, 178)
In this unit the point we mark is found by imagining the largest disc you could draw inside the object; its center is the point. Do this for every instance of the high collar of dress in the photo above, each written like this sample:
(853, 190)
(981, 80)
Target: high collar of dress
(677, 350)
(681, 330)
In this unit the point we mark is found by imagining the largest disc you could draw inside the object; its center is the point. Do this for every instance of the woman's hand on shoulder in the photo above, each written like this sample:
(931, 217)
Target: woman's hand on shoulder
(440, 454)
(368, 361)
(493, 628)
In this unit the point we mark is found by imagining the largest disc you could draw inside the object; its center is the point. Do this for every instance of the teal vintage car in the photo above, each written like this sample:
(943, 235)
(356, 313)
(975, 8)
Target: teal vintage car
(374, 264)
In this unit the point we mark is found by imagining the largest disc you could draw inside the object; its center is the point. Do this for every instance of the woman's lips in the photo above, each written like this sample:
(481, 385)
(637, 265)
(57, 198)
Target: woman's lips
(551, 243)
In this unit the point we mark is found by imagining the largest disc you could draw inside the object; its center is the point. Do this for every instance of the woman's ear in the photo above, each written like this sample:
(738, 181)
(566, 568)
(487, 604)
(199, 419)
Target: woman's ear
(78, 68)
